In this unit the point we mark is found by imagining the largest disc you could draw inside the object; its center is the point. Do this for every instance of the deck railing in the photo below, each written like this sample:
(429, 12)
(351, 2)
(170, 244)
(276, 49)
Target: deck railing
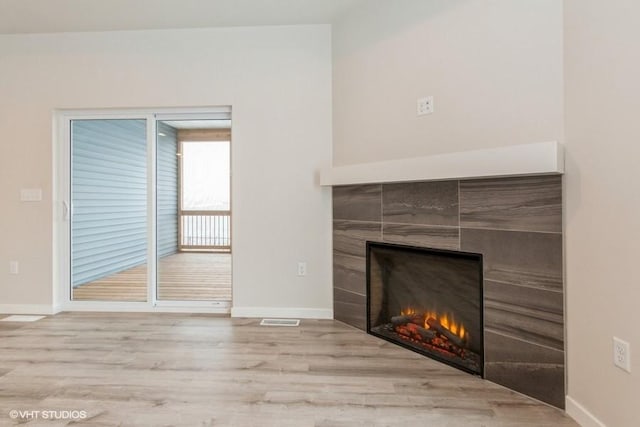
(205, 230)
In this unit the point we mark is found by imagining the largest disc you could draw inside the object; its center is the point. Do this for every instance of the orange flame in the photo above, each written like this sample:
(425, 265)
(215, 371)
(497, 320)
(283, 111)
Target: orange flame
(408, 311)
(446, 320)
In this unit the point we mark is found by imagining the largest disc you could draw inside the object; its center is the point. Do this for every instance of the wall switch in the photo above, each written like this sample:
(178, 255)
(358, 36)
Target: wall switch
(621, 354)
(13, 267)
(425, 105)
(31, 195)
(302, 268)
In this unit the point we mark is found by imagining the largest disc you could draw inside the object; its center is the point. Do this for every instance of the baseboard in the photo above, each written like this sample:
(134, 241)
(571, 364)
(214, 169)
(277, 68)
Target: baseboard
(579, 413)
(42, 309)
(135, 307)
(282, 312)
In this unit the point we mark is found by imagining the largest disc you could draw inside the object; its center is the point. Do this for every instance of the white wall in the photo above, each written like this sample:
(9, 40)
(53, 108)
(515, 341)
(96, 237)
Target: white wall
(494, 68)
(278, 80)
(602, 81)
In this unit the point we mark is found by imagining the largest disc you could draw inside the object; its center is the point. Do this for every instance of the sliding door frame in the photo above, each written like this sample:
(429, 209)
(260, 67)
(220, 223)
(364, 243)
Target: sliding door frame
(62, 210)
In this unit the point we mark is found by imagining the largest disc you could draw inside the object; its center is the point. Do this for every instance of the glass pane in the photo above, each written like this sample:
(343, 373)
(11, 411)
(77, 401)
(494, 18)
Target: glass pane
(206, 176)
(109, 210)
(194, 217)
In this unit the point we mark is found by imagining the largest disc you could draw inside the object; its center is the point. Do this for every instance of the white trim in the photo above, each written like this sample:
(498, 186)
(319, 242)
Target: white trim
(60, 198)
(143, 307)
(581, 414)
(542, 158)
(44, 309)
(282, 312)
(214, 113)
(152, 233)
(179, 113)
(223, 305)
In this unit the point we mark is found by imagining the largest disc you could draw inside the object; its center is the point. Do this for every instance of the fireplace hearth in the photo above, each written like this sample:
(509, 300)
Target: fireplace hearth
(427, 300)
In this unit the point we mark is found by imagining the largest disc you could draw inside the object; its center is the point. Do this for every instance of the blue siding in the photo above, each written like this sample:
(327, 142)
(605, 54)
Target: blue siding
(167, 190)
(109, 196)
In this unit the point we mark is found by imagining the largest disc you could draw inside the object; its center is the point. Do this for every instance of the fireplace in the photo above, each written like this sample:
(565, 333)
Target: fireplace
(427, 300)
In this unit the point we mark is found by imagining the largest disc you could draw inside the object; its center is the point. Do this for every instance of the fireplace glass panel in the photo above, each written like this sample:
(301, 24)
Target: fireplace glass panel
(427, 300)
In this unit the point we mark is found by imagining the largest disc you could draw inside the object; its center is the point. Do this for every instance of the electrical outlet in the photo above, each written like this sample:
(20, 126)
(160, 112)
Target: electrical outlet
(13, 267)
(302, 268)
(425, 105)
(621, 354)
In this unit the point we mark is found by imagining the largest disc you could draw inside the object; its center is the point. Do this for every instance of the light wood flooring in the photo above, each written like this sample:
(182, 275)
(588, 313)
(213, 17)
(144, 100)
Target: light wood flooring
(133, 369)
(185, 276)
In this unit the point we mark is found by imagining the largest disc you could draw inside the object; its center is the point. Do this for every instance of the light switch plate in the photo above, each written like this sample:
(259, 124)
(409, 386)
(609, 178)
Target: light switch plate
(31, 195)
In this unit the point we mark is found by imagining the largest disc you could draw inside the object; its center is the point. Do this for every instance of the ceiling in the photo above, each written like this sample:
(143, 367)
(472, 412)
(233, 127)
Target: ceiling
(49, 16)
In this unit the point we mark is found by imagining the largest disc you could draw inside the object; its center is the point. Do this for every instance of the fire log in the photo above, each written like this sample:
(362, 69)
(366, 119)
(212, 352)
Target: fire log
(437, 326)
(419, 332)
(426, 334)
(403, 330)
(403, 320)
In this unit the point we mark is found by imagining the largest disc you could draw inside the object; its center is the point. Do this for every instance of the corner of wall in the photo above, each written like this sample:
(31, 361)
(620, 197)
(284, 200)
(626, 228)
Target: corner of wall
(579, 413)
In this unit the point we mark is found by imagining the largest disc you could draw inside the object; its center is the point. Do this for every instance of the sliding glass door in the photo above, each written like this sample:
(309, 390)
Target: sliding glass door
(149, 209)
(109, 215)
(194, 210)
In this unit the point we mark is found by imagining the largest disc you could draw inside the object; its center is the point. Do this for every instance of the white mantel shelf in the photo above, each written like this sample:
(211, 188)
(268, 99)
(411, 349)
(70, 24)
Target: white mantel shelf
(544, 158)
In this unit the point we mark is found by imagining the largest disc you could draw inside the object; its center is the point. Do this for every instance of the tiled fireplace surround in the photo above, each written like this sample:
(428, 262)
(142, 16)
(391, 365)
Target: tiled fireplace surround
(516, 223)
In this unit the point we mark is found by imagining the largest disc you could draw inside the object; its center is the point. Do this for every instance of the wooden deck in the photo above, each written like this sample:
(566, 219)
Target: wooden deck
(185, 276)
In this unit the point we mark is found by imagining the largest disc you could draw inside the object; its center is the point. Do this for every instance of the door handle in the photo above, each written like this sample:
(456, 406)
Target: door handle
(65, 210)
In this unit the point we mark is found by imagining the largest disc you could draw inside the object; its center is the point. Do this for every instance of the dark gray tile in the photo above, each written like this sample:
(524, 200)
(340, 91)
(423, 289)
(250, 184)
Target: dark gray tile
(523, 203)
(425, 203)
(349, 252)
(357, 202)
(525, 367)
(499, 348)
(542, 382)
(422, 235)
(349, 273)
(350, 237)
(533, 314)
(349, 308)
(521, 258)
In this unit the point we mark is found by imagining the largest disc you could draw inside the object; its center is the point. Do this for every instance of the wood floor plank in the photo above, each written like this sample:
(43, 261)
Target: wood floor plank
(185, 276)
(148, 369)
